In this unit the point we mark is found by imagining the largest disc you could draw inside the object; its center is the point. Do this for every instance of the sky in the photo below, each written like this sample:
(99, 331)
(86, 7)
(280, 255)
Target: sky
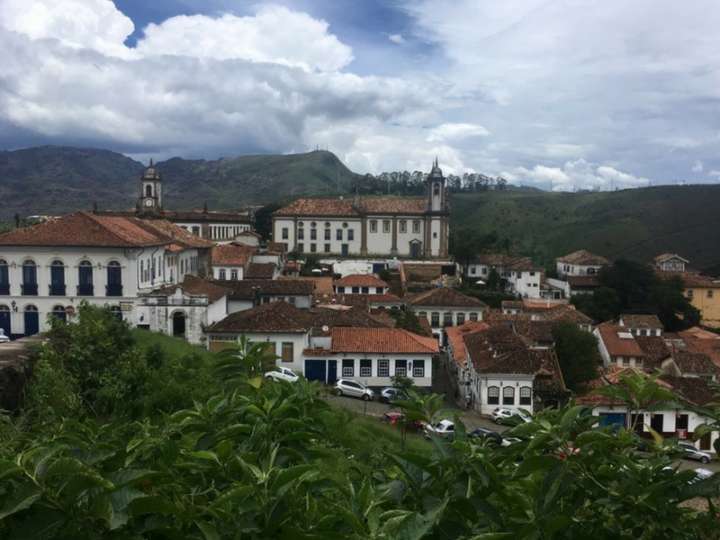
(559, 94)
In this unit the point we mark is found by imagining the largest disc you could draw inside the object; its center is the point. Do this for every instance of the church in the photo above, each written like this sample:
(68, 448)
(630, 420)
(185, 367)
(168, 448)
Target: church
(407, 227)
(220, 227)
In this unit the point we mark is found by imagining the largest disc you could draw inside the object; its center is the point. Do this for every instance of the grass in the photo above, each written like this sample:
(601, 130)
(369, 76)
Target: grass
(172, 346)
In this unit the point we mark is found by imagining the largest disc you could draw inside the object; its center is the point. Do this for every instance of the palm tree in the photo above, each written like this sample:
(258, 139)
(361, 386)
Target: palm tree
(245, 362)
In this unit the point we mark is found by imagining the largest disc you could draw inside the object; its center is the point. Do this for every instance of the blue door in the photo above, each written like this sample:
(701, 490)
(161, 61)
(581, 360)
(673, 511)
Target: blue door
(5, 320)
(32, 322)
(332, 371)
(315, 370)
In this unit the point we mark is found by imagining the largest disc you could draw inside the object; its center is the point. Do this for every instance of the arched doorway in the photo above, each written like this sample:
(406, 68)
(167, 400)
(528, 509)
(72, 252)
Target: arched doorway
(59, 312)
(178, 324)
(415, 249)
(5, 320)
(32, 320)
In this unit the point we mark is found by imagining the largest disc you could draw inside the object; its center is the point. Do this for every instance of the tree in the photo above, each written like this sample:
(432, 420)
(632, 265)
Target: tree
(577, 353)
(263, 220)
(407, 320)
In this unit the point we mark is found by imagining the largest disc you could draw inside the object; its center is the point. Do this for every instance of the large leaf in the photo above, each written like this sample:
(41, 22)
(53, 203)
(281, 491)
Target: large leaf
(21, 499)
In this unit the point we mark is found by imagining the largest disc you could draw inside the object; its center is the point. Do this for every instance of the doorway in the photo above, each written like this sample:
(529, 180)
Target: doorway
(32, 320)
(178, 324)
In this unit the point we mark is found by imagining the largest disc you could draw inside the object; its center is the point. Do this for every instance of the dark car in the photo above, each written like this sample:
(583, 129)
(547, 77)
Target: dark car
(488, 434)
(391, 394)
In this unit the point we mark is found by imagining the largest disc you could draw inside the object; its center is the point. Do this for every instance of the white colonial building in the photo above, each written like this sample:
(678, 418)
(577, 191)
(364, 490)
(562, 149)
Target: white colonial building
(580, 263)
(49, 268)
(413, 227)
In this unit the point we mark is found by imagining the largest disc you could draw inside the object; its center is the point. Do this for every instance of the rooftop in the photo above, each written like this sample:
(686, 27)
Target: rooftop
(271, 318)
(354, 207)
(360, 280)
(260, 271)
(381, 340)
(445, 297)
(618, 341)
(584, 258)
(231, 255)
(456, 339)
(645, 321)
(245, 289)
(194, 286)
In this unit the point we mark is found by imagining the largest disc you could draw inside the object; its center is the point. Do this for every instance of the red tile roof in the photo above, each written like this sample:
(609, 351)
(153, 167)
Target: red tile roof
(272, 318)
(231, 255)
(709, 347)
(456, 339)
(360, 280)
(352, 208)
(583, 282)
(245, 289)
(194, 286)
(584, 258)
(655, 350)
(84, 229)
(260, 271)
(647, 321)
(696, 363)
(381, 340)
(616, 345)
(445, 297)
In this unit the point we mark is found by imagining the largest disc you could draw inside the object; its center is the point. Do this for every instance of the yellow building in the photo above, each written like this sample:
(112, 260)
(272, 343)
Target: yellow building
(704, 293)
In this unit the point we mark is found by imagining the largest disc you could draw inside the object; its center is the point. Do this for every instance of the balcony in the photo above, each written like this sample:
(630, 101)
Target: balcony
(29, 289)
(4, 288)
(57, 289)
(114, 289)
(86, 290)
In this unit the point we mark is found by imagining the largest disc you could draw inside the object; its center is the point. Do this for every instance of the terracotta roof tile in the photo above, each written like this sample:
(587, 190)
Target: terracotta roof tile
(360, 280)
(349, 207)
(194, 286)
(445, 297)
(260, 271)
(694, 362)
(382, 340)
(583, 282)
(647, 321)
(584, 258)
(655, 350)
(271, 318)
(232, 255)
(456, 339)
(245, 289)
(617, 345)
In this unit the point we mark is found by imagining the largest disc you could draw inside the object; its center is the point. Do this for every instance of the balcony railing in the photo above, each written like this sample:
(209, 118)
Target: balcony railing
(57, 289)
(29, 289)
(114, 290)
(85, 290)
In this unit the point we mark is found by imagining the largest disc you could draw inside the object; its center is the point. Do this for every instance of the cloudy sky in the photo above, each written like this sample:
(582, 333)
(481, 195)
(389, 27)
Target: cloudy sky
(566, 94)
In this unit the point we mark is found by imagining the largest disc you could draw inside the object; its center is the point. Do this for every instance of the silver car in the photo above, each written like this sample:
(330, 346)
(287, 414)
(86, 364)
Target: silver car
(346, 387)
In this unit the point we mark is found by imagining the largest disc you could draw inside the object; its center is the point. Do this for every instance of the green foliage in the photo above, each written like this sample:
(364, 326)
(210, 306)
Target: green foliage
(263, 220)
(577, 353)
(407, 320)
(492, 298)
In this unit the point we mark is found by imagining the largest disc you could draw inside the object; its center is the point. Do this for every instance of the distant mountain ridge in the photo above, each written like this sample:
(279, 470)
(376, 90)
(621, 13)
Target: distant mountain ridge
(59, 179)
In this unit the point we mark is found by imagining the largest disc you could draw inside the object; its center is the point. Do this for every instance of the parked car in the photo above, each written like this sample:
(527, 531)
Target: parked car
(488, 434)
(509, 441)
(392, 394)
(395, 418)
(693, 453)
(444, 429)
(282, 374)
(502, 415)
(702, 474)
(346, 387)
(3, 336)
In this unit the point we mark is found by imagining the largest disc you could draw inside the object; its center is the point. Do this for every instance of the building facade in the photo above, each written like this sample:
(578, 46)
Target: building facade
(411, 227)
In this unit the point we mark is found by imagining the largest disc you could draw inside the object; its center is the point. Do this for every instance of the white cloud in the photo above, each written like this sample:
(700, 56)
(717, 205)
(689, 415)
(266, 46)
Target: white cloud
(454, 132)
(274, 34)
(575, 175)
(714, 173)
(697, 166)
(398, 39)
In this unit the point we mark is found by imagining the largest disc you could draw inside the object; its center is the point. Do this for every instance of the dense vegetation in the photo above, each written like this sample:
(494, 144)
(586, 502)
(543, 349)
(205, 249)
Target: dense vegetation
(633, 287)
(122, 438)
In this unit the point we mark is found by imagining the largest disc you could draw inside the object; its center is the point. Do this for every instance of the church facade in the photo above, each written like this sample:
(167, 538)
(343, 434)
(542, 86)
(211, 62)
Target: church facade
(408, 227)
(220, 227)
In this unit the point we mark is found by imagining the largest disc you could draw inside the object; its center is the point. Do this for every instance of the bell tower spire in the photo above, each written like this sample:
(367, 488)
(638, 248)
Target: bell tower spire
(150, 199)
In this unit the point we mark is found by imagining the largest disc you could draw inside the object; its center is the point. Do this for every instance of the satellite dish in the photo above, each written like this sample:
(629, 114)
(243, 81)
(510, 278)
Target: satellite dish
(325, 328)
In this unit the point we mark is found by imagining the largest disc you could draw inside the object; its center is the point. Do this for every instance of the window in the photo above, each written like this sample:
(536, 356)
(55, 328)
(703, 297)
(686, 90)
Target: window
(348, 367)
(285, 233)
(59, 312)
(436, 190)
(291, 300)
(85, 279)
(221, 274)
(351, 234)
(301, 234)
(434, 319)
(386, 225)
(383, 369)
(373, 225)
(287, 351)
(114, 279)
(690, 293)
(233, 275)
(313, 224)
(327, 234)
(447, 319)
(710, 293)
(419, 368)
(313, 234)
(493, 395)
(356, 290)
(460, 318)
(400, 368)
(403, 226)
(525, 395)
(313, 248)
(326, 248)
(681, 422)
(4, 277)
(416, 226)
(301, 247)
(338, 234)
(365, 290)
(327, 224)
(473, 316)
(366, 367)
(29, 284)
(508, 395)
(57, 278)
(422, 315)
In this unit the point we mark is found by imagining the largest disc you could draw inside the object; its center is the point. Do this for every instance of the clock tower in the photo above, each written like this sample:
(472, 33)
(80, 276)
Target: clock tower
(150, 200)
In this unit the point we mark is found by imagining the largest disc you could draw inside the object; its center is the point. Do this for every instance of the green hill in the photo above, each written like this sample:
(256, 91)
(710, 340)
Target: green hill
(636, 223)
(55, 179)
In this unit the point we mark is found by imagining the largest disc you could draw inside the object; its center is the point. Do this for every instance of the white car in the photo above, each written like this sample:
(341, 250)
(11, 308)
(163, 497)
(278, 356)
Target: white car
(443, 428)
(3, 337)
(347, 387)
(282, 374)
(693, 453)
(502, 415)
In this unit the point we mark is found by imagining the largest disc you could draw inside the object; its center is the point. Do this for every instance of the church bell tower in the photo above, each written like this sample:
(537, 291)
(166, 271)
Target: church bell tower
(150, 200)
(436, 189)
